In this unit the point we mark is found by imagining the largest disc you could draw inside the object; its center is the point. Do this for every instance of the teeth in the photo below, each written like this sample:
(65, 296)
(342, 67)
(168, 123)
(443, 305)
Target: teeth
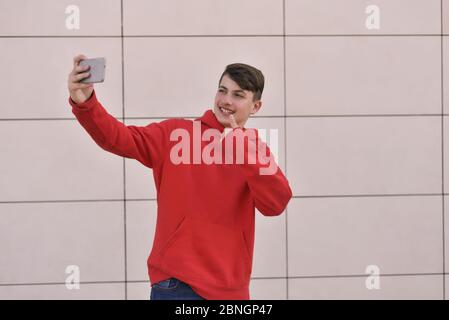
(226, 111)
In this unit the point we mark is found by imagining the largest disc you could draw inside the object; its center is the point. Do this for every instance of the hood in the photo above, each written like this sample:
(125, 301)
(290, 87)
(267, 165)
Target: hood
(209, 119)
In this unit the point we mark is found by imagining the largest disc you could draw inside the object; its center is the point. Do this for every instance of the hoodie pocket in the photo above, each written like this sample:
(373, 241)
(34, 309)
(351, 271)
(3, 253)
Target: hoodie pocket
(208, 252)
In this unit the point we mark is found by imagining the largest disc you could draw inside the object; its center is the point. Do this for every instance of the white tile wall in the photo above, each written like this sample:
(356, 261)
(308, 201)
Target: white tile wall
(36, 84)
(349, 17)
(446, 71)
(138, 291)
(55, 160)
(343, 236)
(178, 76)
(426, 287)
(269, 247)
(445, 4)
(447, 284)
(97, 291)
(364, 155)
(363, 75)
(446, 235)
(268, 289)
(361, 139)
(140, 228)
(55, 18)
(39, 241)
(202, 17)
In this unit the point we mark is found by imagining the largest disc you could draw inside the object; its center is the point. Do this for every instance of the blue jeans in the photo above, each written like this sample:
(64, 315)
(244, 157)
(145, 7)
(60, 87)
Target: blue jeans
(173, 289)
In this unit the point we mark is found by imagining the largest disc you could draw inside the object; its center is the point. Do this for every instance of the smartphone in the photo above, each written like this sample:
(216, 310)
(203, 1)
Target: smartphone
(97, 69)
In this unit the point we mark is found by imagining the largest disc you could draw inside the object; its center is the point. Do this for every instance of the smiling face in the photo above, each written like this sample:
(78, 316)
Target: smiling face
(231, 99)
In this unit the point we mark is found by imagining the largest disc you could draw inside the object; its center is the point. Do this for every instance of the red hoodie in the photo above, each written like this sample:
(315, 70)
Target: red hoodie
(206, 212)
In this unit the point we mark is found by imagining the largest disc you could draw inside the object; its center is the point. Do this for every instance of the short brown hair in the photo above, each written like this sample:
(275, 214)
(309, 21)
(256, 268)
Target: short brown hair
(247, 77)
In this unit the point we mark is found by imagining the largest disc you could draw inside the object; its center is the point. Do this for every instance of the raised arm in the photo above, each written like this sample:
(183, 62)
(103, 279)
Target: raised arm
(145, 144)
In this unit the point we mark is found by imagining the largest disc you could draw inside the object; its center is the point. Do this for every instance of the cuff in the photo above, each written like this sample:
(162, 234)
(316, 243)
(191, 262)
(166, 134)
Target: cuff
(88, 104)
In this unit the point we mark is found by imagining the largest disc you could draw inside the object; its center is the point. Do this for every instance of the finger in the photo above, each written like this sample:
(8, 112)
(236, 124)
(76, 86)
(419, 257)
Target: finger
(234, 124)
(81, 68)
(76, 77)
(78, 58)
(80, 76)
(77, 70)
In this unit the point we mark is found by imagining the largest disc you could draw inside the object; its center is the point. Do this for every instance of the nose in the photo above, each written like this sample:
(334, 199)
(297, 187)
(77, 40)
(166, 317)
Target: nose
(227, 100)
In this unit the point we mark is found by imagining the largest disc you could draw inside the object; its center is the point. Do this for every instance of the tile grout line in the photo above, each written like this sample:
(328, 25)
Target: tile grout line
(154, 199)
(231, 35)
(252, 278)
(124, 166)
(252, 117)
(370, 195)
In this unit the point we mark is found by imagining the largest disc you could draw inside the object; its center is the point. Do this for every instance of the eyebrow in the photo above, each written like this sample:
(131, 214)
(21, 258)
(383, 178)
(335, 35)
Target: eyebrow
(240, 90)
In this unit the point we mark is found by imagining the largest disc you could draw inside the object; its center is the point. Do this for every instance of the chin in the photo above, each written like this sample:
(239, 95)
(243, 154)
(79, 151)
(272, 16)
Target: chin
(224, 122)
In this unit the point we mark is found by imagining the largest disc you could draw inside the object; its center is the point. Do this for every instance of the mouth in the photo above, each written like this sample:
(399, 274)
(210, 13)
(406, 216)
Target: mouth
(226, 111)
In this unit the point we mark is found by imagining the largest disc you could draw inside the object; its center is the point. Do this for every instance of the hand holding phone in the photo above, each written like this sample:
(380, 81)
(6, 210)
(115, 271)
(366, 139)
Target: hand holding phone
(80, 90)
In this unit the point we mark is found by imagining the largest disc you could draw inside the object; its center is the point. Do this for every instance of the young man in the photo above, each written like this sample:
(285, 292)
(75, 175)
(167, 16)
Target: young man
(204, 239)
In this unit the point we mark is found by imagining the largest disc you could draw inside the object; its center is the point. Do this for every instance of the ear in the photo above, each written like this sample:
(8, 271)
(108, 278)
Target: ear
(256, 107)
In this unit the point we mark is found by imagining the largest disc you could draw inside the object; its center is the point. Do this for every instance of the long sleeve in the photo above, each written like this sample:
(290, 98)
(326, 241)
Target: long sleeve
(145, 144)
(267, 184)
